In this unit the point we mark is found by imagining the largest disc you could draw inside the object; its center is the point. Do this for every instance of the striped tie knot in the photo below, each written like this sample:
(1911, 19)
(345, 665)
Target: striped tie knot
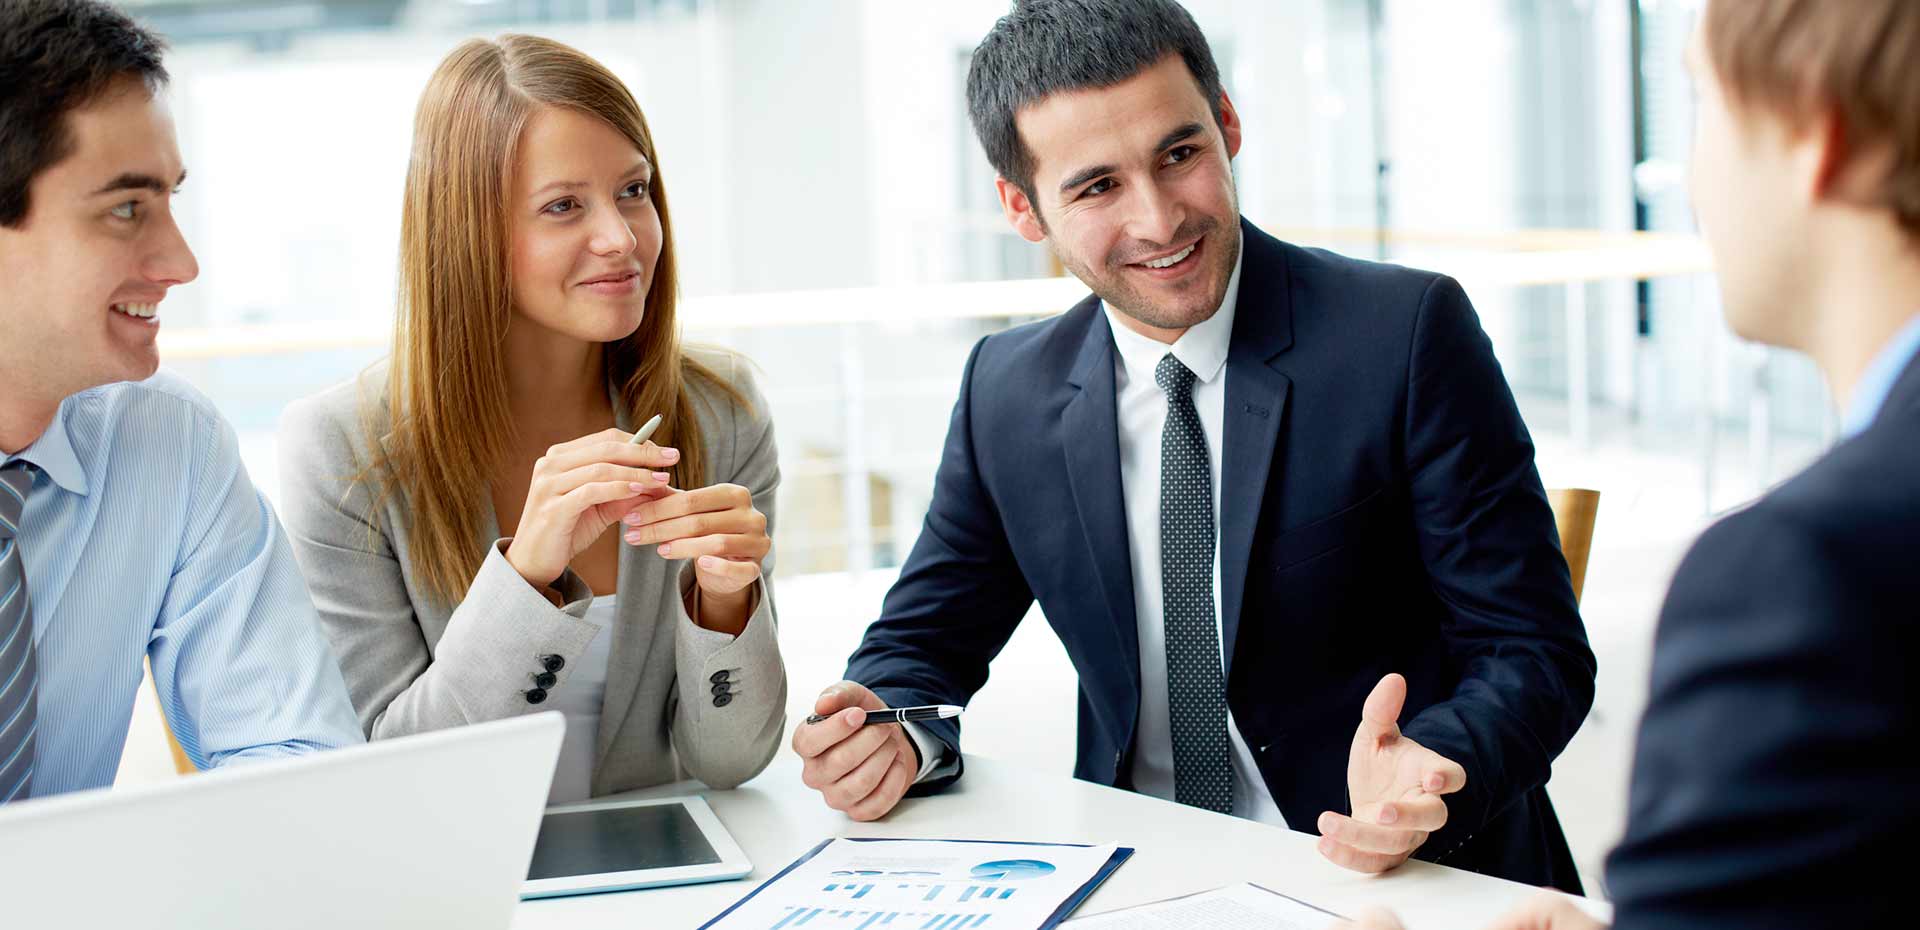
(15, 478)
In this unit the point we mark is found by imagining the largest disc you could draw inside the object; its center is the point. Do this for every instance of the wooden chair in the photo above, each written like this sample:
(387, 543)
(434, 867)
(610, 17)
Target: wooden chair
(1574, 510)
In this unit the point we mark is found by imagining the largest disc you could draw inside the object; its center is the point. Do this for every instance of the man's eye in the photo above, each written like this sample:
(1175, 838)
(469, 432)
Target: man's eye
(1180, 154)
(1099, 187)
(126, 211)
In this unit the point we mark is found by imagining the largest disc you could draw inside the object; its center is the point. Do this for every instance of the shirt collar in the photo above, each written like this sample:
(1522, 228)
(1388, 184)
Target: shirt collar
(1202, 348)
(53, 454)
(1870, 394)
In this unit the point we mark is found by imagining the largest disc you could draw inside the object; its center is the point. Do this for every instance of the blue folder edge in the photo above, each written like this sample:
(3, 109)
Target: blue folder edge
(1119, 858)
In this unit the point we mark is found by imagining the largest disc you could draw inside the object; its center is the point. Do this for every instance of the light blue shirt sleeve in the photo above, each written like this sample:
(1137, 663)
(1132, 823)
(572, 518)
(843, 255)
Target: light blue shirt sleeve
(241, 666)
(143, 539)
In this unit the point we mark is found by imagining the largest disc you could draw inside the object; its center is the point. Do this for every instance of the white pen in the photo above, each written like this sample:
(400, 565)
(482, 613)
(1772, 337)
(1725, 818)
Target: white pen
(645, 431)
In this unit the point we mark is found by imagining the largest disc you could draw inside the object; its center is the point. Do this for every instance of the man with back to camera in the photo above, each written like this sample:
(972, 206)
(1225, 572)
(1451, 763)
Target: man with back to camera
(1256, 489)
(1768, 790)
(128, 527)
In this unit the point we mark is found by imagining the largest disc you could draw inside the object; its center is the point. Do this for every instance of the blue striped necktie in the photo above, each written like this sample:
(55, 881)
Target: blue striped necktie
(18, 672)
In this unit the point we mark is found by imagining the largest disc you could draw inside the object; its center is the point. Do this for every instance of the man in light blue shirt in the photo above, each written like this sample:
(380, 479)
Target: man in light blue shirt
(128, 526)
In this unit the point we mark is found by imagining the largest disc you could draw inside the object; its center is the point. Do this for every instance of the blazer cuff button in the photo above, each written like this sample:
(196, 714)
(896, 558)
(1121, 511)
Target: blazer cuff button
(535, 695)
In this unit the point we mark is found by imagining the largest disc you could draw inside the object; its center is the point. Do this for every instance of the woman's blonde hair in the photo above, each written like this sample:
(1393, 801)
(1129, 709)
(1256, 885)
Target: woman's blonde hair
(448, 421)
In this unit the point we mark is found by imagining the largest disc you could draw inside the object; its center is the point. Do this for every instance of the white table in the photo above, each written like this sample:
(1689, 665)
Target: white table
(1179, 850)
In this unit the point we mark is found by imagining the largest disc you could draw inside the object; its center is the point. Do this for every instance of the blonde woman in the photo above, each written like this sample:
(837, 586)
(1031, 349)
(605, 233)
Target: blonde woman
(480, 536)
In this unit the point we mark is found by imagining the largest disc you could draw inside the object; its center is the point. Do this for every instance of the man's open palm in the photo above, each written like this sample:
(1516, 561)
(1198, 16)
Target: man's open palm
(1395, 786)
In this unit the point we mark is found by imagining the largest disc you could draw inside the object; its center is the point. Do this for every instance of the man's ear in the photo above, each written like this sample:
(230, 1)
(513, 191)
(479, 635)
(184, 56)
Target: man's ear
(1229, 125)
(1834, 168)
(1020, 211)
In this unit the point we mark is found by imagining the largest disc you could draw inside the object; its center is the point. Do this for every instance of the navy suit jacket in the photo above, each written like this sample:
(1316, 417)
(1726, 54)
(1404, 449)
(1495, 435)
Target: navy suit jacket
(1380, 512)
(1768, 787)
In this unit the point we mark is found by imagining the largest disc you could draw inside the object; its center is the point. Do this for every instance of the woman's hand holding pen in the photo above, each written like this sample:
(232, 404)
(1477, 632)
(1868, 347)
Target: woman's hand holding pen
(725, 536)
(579, 490)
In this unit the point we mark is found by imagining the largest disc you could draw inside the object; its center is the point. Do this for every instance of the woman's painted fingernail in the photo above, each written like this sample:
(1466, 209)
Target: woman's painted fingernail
(632, 519)
(662, 477)
(671, 455)
(666, 551)
(633, 539)
(710, 563)
(637, 486)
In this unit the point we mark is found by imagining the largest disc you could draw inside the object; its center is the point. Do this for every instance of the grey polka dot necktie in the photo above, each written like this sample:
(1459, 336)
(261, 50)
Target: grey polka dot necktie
(1196, 697)
(18, 670)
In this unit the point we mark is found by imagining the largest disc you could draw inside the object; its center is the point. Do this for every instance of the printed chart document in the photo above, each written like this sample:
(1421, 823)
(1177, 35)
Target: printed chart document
(1235, 907)
(880, 884)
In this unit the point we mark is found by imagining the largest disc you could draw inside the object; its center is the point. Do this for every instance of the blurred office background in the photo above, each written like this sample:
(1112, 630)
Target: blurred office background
(837, 222)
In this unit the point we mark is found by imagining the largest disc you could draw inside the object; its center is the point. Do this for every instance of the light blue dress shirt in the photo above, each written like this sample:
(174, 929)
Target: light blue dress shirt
(143, 538)
(1878, 380)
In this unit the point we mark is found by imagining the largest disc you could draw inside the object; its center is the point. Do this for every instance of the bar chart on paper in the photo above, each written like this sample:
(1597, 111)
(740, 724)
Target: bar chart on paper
(828, 919)
(921, 885)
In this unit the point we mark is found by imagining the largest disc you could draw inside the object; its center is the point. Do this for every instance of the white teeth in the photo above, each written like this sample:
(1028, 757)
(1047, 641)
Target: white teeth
(1171, 260)
(143, 311)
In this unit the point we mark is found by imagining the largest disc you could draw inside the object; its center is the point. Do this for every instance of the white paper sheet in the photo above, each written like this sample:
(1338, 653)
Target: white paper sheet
(920, 885)
(1235, 907)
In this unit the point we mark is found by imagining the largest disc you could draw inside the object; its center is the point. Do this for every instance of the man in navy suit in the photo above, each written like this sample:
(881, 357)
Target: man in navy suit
(1262, 494)
(1768, 788)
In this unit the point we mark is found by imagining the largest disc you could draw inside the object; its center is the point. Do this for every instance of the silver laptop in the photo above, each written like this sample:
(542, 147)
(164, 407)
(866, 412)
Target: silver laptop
(433, 830)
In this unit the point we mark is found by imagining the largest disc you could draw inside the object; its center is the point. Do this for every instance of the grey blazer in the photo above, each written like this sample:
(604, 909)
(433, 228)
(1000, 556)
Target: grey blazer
(680, 701)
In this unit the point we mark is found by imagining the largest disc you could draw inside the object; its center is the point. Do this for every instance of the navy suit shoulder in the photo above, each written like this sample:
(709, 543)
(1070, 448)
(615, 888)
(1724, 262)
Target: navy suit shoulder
(1767, 785)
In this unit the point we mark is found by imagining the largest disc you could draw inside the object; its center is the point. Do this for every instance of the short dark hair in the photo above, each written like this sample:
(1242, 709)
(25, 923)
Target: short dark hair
(1043, 47)
(57, 56)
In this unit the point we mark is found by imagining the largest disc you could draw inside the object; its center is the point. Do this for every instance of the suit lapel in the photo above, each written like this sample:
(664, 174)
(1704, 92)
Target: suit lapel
(1255, 405)
(1090, 435)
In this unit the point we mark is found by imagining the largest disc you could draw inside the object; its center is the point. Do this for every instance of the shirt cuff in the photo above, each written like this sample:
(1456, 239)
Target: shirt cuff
(931, 749)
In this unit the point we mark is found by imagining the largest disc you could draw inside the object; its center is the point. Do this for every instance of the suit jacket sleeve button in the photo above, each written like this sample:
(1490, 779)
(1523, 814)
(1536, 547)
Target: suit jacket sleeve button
(722, 700)
(544, 680)
(720, 688)
(552, 663)
(720, 676)
(536, 695)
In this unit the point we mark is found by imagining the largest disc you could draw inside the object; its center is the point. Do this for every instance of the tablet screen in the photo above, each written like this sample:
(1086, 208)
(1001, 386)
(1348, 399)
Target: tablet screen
(619, 839)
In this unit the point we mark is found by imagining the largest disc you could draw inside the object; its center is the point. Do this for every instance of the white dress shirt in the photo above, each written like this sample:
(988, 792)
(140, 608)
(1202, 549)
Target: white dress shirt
(580, 703)
(582, 696)
(1141, 409)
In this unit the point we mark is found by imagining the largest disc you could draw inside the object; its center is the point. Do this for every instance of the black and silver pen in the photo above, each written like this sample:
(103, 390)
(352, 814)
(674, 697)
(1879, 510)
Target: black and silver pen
(903, 714)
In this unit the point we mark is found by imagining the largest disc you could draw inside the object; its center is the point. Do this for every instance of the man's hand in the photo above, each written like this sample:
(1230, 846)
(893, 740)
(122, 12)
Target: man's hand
(1395, 785)
(1548, 910)
(861, 771)
(1375, 918)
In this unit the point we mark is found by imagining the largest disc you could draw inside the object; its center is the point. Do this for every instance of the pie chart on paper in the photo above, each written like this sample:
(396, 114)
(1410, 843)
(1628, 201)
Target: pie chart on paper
(1012, 870)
